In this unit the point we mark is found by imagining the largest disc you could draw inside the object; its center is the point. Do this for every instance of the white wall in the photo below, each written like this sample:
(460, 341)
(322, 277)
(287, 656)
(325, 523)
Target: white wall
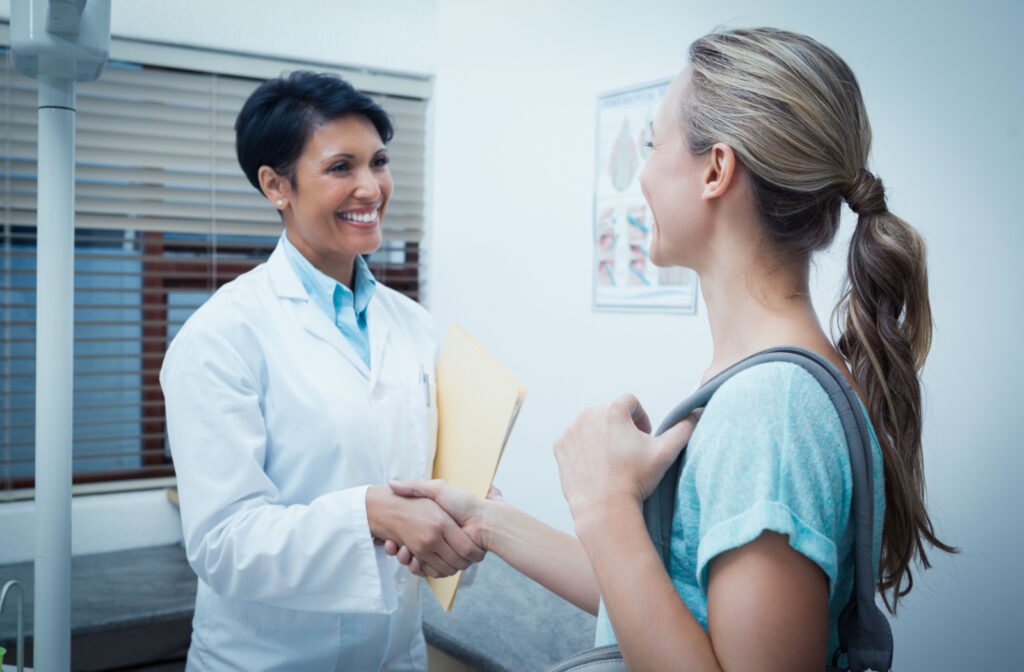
(513, 171)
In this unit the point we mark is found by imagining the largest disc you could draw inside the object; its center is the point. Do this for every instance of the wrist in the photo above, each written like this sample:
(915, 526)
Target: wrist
(501, 525)
(594, 520)
(487, 521)
(376, 504)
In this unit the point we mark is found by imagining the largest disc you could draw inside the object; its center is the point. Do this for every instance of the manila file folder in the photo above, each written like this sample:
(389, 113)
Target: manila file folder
(477, 405)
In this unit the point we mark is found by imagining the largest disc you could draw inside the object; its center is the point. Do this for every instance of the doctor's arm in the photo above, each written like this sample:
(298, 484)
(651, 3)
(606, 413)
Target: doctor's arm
(317, 556)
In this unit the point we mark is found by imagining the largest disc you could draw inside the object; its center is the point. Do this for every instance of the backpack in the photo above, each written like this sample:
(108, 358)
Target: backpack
(864, 633)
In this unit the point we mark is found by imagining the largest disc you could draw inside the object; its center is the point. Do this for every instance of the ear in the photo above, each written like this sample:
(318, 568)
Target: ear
(277, 188)
(719, 171)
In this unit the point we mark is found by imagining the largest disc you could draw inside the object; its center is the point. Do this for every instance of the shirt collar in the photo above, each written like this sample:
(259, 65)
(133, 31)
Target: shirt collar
(365, 285)
(326, 292)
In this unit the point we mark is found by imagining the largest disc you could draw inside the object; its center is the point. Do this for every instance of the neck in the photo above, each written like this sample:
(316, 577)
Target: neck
(751, 308)
(754, 300)
(340, 267)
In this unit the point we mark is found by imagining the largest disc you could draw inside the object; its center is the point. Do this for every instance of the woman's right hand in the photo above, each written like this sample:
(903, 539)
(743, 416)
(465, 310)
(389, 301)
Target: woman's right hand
(466, 509)
(424, 528)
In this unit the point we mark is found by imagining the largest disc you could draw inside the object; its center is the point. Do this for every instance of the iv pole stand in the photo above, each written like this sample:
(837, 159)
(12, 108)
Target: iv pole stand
(60, 42)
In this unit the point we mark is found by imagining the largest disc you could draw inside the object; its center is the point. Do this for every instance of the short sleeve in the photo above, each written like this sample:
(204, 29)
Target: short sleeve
(769, 453)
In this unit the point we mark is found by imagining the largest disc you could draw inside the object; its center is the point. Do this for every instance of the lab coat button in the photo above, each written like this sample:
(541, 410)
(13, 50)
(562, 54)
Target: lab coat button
(378, 393)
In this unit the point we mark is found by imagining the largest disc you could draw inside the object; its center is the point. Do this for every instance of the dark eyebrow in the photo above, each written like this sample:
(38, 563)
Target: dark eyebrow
(345, 155)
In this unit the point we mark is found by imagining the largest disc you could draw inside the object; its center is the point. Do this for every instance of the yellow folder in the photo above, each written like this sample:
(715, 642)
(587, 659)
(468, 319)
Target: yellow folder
(477, 405)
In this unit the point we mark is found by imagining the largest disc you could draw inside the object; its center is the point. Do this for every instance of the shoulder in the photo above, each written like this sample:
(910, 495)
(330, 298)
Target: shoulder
(229, 321)
(769, 453)
(770, 385)
(779, 397)
(775, 425)
(243, 299)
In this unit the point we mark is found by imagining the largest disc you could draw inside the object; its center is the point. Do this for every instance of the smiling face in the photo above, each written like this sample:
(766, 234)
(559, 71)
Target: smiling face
(671, 183)
(333, 210)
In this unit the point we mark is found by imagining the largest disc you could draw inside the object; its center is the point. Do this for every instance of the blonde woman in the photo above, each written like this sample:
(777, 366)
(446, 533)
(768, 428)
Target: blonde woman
(756, 146)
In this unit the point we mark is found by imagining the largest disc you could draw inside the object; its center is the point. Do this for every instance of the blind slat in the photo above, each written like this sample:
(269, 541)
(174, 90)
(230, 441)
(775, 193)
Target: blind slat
(235, 181)
(100, 112)
(397, 228)
(128, 194)
(406, 178)
(173, 159)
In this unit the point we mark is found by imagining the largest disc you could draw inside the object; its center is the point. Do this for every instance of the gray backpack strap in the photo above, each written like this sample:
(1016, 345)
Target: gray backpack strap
(864, 633)
(661, 504)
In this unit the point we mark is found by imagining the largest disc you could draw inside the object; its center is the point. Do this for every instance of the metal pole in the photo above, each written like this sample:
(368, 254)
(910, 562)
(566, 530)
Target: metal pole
(54, 369)
(16, 587)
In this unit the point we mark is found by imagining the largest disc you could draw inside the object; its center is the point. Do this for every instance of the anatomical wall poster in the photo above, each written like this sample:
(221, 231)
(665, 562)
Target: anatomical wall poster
(623, 276)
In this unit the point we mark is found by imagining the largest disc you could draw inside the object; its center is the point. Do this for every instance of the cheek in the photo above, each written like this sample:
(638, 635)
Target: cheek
(667, 213)
(386, 187)
(657, 242)
(333, 193)
(644, 179)
(653, 183)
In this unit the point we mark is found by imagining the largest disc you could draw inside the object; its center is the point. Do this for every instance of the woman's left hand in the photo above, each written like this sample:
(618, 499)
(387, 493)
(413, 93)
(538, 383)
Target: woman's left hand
(608, 457)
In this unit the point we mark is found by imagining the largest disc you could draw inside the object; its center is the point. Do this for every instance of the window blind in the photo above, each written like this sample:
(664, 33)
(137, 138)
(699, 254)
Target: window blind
(163, 217)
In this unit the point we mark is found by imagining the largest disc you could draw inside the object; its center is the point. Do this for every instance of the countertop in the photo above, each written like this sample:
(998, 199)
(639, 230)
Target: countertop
(502, 622)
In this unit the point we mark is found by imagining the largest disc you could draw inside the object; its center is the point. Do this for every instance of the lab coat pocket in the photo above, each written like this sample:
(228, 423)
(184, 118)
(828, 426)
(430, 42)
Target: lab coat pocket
(245, 635)
(423, 422)
(432, 425)
(260, 617)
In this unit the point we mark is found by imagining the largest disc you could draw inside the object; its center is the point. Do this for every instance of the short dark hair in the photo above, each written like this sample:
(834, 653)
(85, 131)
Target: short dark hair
(276, 121)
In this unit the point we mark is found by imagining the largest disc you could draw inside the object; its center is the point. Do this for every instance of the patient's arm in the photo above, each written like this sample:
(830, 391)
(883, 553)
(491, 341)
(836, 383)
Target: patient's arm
(552, 558)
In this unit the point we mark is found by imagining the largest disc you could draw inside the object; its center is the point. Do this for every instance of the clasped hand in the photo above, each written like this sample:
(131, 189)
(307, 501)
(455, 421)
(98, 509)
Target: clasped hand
(464, 508)
(423, 528)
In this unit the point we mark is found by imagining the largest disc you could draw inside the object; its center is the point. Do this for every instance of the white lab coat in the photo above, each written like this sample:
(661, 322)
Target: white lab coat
(277, 428)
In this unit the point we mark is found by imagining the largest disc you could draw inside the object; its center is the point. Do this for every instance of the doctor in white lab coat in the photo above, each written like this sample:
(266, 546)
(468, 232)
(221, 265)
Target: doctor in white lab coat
(293, 396)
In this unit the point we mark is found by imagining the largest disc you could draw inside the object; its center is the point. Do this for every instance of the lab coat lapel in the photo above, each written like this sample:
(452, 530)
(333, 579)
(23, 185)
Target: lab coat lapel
(318, 324)
(379, 326)
(287, 285)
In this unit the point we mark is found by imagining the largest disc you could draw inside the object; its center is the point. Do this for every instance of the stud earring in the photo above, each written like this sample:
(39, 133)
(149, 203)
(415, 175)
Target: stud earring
(280, 202)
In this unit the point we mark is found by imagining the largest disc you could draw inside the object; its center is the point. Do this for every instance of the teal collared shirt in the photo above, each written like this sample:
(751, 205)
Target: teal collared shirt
(346, 310)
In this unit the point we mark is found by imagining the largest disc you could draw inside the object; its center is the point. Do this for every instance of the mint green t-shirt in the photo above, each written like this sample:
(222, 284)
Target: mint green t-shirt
(769, 453)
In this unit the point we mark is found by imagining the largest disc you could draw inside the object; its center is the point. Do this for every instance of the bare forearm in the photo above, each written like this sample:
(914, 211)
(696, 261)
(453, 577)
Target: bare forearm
(653, 626)
(553, 559)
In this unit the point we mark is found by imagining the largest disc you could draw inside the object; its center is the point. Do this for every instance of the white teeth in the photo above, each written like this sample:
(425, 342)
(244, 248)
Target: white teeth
(367, 218)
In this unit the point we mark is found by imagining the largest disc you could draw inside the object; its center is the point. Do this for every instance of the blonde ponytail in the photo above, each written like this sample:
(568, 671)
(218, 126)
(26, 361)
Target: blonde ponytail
(792, 111)
(886, 323)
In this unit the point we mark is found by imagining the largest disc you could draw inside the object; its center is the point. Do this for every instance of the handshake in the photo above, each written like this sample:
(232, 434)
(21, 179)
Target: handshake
(606, 458)
(432, 527)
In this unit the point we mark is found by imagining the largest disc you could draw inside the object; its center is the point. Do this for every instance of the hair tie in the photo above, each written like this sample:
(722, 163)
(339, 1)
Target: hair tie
(865, 194)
